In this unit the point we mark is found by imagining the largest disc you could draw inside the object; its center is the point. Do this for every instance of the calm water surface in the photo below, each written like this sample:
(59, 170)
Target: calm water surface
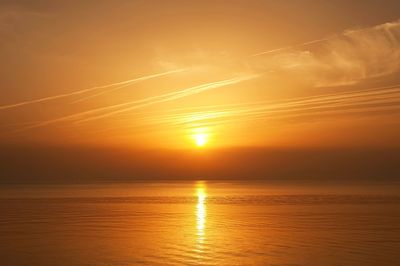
(198, 223)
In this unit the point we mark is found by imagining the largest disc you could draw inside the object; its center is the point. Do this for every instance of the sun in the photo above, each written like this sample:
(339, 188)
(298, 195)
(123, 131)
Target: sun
(200, 139)
(200, 136)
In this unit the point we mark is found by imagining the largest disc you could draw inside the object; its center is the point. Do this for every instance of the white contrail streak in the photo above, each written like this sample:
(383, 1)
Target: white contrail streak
(291, 47)
(121, 84)
(132, 82)
(306, 43)
(142, 102)
(389, 95)
(370, 100)
(174, 96)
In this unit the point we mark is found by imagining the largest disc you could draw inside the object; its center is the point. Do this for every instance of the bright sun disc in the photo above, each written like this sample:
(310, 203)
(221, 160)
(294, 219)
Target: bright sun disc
(201, 139)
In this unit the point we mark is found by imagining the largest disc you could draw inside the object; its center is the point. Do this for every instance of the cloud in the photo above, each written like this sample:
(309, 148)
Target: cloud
(131, 105)
(382, 100)
(173, 96)
(119, 85)
(344, 59)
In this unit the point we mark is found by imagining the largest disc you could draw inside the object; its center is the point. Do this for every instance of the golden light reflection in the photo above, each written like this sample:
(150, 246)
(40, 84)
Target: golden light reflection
(201, 210)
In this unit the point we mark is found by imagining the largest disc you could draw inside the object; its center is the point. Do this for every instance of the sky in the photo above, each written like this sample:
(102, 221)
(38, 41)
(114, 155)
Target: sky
(171, 76)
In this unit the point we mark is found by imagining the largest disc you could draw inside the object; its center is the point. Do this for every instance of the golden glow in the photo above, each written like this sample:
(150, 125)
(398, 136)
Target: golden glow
(201, 139)
(242, 89)
(200, 136)
(201, 211)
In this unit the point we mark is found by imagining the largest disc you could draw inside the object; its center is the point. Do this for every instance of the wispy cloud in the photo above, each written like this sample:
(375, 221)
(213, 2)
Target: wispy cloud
(363, 102)
(342, 59)
(130, 83)
(175, 95)
(131, 105)
(296, 46)
(120, 85)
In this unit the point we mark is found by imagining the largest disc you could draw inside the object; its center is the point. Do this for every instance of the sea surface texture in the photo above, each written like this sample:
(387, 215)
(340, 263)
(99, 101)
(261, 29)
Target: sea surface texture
(198, 223)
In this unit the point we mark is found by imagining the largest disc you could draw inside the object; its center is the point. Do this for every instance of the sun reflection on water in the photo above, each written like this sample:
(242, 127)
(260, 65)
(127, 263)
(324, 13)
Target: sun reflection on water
(201, 211)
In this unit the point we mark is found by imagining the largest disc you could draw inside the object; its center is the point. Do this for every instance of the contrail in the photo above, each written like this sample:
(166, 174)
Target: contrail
(132, 82)
(142, 102)
(174, 95)
(123, 83)
(103, 92)
(308, 43)
(378, 92)
(358, 98)
(292, 46)
(204, 112)
(369, 100)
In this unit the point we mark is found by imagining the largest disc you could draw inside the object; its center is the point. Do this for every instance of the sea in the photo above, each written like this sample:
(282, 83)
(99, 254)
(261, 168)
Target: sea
(200, 223)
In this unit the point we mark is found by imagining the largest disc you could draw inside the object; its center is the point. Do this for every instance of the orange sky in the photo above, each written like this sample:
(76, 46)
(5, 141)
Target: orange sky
(156, 74)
